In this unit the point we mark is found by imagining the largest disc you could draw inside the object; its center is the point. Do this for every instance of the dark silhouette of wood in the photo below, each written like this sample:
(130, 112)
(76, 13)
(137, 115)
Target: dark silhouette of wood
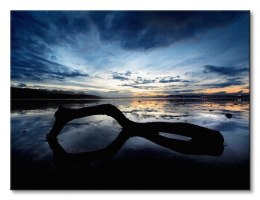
(203, 141)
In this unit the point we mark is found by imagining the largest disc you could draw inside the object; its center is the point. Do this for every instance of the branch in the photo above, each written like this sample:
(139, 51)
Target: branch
(203, 140)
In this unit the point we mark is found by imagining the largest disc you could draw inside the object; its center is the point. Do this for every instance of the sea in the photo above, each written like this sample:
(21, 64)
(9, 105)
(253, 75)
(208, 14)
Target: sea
(138, 163)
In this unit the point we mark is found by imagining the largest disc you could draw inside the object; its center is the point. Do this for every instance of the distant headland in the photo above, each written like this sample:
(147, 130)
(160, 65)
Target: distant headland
(28, 93)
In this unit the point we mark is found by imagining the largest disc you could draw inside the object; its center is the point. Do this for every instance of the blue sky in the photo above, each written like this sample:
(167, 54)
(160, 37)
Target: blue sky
(139, 53)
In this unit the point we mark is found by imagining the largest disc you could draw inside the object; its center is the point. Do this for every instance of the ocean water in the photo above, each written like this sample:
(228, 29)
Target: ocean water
(138, 163)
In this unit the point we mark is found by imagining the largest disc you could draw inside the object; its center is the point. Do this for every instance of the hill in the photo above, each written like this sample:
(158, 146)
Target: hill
(27, 93)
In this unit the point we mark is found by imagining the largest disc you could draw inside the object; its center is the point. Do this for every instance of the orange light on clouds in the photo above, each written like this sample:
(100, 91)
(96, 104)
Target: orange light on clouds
(233, 89)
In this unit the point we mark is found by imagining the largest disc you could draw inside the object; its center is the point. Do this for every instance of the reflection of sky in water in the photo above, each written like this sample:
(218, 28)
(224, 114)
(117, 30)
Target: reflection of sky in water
(90, 133)
(29, 128)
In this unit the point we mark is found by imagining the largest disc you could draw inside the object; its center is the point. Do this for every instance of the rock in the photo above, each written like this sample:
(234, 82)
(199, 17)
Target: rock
(228, 115)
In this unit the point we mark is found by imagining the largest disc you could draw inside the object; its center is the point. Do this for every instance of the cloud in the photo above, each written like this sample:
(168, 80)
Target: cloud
(134, 30)
(22, 85)
(37, 87)
(227, 83)
(128, 73)
(121, 76)
(246, 87)
(227, 71)
(140, 30)
(47, 27)
(134, 82)
(140, 80)
(140, 83)
(145, 87)
(170, 79)
(32, 67)
(33, 37)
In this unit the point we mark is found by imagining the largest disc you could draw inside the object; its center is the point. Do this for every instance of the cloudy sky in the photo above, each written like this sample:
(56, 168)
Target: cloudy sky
(131, 53)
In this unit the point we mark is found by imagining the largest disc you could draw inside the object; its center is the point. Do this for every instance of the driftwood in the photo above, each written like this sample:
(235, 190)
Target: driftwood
(203, 141)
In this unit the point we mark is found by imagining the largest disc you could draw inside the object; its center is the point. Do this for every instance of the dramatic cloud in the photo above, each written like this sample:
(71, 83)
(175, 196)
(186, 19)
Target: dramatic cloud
(132, 29)
(40, 29)
(31, 67)
(228, 71)
(146, 30)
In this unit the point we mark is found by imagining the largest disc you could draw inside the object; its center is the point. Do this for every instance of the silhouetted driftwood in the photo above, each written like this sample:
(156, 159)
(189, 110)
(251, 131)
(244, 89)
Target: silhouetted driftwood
(203, 141)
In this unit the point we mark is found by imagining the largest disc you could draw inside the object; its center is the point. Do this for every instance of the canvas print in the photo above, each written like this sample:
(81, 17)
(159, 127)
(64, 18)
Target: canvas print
(156, 100)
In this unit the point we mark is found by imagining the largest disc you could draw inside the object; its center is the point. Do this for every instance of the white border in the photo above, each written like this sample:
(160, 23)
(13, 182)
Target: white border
(7, 5)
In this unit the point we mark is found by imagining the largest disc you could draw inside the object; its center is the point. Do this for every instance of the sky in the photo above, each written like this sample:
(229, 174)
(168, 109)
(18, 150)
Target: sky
(131, 53)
